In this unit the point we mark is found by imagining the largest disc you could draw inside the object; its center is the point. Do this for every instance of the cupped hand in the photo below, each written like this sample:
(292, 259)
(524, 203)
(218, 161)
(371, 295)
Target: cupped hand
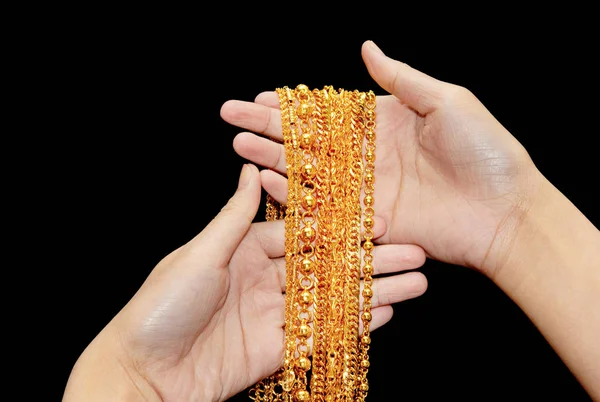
(449, 177)
(209, 320)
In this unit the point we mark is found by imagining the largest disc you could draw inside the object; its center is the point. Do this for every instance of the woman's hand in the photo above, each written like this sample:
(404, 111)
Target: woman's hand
(449, 176)
(208, 322)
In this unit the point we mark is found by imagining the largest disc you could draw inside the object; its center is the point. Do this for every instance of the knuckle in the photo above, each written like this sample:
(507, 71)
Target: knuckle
(383, 298)
(456, 95)
(232, 205)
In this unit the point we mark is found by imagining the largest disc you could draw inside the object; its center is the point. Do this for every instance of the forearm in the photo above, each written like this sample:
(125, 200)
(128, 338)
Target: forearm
(101, 375)
(553, 273)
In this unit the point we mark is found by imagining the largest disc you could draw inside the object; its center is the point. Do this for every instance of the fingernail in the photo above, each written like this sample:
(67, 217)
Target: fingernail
(375, 47)
(244, 176)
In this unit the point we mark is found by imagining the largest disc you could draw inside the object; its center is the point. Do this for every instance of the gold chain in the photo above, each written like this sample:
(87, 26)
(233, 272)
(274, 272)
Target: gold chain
(324, 134)
(368, 107)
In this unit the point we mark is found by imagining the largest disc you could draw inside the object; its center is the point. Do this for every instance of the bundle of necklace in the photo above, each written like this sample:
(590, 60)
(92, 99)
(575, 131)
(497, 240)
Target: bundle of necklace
(329, 140)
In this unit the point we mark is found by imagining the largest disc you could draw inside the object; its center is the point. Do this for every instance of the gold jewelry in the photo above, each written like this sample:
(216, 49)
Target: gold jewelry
(325, 134)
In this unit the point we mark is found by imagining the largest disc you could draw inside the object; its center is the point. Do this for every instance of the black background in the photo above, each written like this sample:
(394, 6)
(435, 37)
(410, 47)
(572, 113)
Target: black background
(144, 162)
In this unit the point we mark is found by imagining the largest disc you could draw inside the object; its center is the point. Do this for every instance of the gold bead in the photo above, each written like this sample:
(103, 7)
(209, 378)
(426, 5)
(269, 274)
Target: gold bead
(309, 202)
(365, 363)
(307, 266)
(366, 339)
(303, 363)
(301, 88)
(309, 171)
(305, 297)
(370, 113)
(304, 331)
(370, 156)
(367, 292)
(368, 245)
(366, 316)
(308, 234)
(370, 135)
(302, 396)
(369, 178)
(368, 269)
(368, 223)
(307, 140)
(364, 387)
(304, 110)
(369, 200)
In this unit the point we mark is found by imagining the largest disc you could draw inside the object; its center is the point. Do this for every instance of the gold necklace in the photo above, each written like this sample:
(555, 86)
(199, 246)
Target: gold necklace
(329, 140)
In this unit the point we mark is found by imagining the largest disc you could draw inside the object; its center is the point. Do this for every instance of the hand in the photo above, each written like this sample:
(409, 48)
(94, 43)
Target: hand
(449, 177)
(208, 322)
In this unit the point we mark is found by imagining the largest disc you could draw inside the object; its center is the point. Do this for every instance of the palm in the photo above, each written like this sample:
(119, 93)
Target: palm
(445, 185)
(242, 340)
(252, 315)
(209, 321)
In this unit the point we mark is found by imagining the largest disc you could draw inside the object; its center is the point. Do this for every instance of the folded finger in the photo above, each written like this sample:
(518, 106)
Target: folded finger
(269, 98)
(271, 237)
(386, 259)
(254, 117)
(390, 258)
(397, 288)
(260, 150)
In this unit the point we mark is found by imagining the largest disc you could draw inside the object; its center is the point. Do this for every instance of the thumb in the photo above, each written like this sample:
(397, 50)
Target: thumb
(221, 237)
(412, 87)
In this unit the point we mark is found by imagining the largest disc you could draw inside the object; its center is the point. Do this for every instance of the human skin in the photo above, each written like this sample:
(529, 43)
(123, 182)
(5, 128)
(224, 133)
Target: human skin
(209, 320)
(459, 185)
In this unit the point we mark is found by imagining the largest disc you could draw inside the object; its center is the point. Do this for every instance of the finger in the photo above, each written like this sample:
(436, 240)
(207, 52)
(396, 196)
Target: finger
(380, 316)
(254, 117)
(387, 259)
(414, 88)
(276, 185)
(223, 234)
(270, 99)
(397, 288)
(390, 258)
(271, 237)
(280, 266)
(260, 150)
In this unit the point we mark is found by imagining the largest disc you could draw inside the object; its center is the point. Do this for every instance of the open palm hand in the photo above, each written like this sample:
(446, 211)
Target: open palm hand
(209, 320)
(449, 177)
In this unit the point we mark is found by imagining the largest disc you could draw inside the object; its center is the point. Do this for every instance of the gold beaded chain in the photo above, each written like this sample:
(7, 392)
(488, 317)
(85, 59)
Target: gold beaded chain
(329, 141)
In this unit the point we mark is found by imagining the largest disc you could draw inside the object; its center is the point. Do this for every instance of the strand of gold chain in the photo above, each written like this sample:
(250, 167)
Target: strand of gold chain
(368, 212)
(307, 235)
(322, 246)
(353, 210)
(335, 341)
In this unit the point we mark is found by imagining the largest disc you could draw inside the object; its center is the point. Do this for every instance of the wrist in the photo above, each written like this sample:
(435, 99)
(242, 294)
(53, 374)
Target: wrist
(104, 372)
(551, 233)
(551, 273)
(516, 224)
